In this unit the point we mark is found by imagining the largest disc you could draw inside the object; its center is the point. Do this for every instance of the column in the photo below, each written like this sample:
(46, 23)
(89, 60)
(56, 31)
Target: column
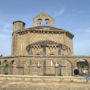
(57, 71)
(44, 50)
(44, 67)
(2, 68)
(43, 22)
(15, 70)
(89, 69)
(26, 68)
(72, 67)
(59, 50)
(39, 67)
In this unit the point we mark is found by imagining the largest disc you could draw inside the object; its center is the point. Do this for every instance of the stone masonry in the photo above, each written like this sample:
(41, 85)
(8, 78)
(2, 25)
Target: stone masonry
(42, 50)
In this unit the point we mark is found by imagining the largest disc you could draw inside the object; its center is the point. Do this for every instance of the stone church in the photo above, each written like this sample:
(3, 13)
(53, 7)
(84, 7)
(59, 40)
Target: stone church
(42, 50)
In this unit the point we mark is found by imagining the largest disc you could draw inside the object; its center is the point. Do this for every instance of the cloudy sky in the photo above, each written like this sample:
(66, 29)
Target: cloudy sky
(71, 15)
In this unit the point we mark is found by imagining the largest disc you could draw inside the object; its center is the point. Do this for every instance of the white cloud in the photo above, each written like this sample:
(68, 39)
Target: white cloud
(58, 13)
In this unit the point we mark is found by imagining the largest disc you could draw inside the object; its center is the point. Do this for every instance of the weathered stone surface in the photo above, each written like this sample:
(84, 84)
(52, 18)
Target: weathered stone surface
(60, 42)
(36, 51)
(42, 86)
(43, 79)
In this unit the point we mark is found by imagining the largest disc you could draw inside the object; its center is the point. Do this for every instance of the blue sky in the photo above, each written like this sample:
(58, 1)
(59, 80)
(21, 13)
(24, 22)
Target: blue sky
(71, 15)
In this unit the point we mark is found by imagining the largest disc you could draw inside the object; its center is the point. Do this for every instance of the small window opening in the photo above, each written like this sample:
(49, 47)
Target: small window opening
(47, 22)
(39, 22)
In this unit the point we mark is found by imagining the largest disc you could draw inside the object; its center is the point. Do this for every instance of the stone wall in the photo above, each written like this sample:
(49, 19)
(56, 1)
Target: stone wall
(20, 42)
(42, 79)
(43, 83)
(41, 65)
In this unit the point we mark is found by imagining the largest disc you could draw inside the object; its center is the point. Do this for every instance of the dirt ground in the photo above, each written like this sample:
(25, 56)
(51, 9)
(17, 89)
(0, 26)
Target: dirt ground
(4, 85)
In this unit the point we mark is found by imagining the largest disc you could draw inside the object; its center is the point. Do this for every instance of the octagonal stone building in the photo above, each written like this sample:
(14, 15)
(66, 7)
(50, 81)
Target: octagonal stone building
(42, 50)
(42, 39)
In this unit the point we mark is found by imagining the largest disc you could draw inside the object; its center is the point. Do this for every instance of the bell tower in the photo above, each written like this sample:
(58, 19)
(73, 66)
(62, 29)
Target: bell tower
(43, 19)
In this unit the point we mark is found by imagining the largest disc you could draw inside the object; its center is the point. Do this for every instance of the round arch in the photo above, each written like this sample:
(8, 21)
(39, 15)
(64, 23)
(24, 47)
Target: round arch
(65, 67)
(83, 66)
(5, 67)
(12, 62)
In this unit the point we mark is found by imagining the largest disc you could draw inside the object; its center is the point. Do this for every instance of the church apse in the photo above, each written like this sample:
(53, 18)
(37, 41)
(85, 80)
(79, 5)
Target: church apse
(47, 48)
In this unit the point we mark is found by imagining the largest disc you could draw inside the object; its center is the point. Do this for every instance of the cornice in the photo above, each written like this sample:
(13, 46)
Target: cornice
(56, 31)
(45, 56)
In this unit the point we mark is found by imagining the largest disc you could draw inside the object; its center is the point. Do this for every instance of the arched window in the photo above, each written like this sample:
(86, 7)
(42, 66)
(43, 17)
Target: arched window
(12, 62)
(47, 22)
(39, 22)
